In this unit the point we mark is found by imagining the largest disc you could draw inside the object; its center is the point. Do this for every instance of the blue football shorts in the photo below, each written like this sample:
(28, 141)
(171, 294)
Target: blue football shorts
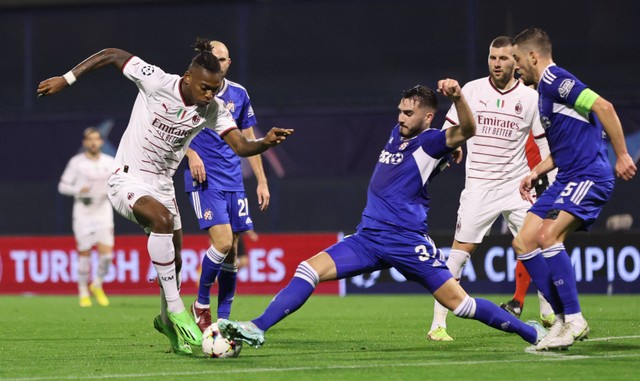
(216, 207)
(413, 254)
(583, 198)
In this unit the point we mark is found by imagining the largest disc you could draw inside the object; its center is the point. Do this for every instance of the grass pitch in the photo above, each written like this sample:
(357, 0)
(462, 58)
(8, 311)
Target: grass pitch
(330, 338)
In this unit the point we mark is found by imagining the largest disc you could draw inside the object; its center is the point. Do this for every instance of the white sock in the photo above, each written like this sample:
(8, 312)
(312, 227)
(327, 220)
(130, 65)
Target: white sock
(163, 257)
(456, 261)
(545, 307)
(84, 268)
(572, 317)
(103, 268)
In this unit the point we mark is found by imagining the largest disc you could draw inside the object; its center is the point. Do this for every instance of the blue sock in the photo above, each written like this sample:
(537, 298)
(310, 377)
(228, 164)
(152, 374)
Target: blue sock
(210, 267)
(540, 273)
(290, 298)
(494, 316)
(563, 277)
(226, 289)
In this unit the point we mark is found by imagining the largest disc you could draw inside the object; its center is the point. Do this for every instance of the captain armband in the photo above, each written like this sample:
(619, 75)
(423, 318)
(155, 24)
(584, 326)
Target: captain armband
(585, 100)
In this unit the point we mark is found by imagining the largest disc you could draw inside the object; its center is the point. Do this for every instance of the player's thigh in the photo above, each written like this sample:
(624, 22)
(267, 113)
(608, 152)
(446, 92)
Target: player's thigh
(221, 237)
(416, 257)
(239, 214)
(211, 207)
(450, 294)
(354, 255)
(478, 210)
(83, 233)
(584, 199)
(125, 193)
(515, 211)
(526, 240)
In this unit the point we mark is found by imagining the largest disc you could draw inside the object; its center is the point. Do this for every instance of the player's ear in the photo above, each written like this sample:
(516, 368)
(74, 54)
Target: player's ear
(187, 77)
(429, 117)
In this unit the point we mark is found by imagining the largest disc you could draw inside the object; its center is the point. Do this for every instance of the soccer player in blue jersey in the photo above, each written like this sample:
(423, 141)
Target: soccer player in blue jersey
(574, 117)
(393, 229)
(214, 184)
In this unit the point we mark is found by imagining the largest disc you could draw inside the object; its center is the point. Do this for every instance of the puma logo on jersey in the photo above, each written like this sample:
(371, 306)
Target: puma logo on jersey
(390, 158)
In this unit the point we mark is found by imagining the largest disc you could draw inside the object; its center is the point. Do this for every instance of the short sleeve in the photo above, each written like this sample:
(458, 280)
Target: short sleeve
(147, 77)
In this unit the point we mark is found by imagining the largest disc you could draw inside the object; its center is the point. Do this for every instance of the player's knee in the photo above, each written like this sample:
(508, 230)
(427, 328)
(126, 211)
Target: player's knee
(224, 247)
(162, 223)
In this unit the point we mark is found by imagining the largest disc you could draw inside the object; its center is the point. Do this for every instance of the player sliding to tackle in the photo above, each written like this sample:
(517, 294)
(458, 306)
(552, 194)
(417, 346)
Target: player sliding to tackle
(168, 112)
(393, 229)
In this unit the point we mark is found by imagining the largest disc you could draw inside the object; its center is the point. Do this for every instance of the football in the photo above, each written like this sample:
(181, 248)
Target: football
(216, 346)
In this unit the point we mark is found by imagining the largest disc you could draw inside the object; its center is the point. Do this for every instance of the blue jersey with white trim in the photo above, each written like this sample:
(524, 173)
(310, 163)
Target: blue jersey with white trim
(397, 198)
(576, 138)
(222, 165)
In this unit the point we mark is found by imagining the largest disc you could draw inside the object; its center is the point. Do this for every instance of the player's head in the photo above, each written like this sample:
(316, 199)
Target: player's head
(416, 110)
(501, 62)
(532, 52)
(222, 53)
(204, 76)
(92, 141)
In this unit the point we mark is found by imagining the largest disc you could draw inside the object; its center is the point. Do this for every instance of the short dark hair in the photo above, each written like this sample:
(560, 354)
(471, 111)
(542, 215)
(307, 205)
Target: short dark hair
(90, 130)
(536, 37)
(205, 59)
(501, 42)
(422, 94)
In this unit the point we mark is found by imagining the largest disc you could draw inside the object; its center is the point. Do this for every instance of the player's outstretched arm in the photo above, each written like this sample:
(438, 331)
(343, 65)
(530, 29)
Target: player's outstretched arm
(466, 127)
(625, 167)
(109, 56)
(243, 147)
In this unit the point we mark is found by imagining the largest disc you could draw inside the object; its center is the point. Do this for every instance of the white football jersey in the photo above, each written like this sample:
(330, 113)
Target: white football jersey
(84, 172)
(496, 154)
(161, 125)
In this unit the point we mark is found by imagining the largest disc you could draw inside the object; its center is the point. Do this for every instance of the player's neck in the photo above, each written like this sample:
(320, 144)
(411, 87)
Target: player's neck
(502, 86)
(92, 156)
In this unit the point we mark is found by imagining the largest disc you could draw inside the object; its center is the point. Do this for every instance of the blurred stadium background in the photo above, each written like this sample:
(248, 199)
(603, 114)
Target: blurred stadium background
(333, 70)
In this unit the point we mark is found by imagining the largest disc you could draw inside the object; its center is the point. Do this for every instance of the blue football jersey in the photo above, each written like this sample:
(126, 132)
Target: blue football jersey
(222, 165)
(576, 138)
(397, 197)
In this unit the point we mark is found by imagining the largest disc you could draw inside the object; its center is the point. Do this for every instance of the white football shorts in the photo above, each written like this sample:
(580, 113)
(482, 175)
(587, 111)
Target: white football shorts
(480, 208)
(93, 229)
(125, 189)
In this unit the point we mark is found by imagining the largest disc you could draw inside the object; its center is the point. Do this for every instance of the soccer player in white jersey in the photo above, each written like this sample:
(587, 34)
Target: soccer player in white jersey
(214, 183)
(505, 112)
(575, 119)
(85, 179)
(393, 230)
(167, 113)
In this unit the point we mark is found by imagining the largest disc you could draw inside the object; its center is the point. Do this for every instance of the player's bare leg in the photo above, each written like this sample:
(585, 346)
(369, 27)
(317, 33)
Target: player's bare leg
(458, 256)
(106, 257)
(84, 269)
(162, 244)
(309, 273)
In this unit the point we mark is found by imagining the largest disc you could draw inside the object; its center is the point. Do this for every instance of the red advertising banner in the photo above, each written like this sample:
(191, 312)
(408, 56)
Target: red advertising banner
(48, 265)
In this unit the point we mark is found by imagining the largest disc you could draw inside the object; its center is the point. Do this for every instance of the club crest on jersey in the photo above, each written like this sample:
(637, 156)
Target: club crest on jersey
(195, 120)
(403, 146)
(208, 215)
(231, 106)
(518, 108)
(130, 195)
(390, 158)
(147, 70)
(565, 87)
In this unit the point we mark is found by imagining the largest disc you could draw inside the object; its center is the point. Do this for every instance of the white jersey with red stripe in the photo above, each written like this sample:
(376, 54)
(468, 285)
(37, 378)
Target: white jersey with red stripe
(496, 154)
(161, 125)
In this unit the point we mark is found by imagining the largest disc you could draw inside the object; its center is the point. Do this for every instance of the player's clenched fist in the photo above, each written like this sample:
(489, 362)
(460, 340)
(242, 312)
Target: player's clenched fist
(449, 87)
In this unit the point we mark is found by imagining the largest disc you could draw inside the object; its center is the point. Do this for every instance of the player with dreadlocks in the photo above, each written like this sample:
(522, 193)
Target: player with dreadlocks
(168, 112)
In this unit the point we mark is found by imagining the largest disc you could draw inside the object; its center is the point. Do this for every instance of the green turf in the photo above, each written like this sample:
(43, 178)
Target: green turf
(330, 338)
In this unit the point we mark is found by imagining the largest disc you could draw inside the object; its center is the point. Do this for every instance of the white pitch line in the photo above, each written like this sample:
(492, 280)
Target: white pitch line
(547, 356)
